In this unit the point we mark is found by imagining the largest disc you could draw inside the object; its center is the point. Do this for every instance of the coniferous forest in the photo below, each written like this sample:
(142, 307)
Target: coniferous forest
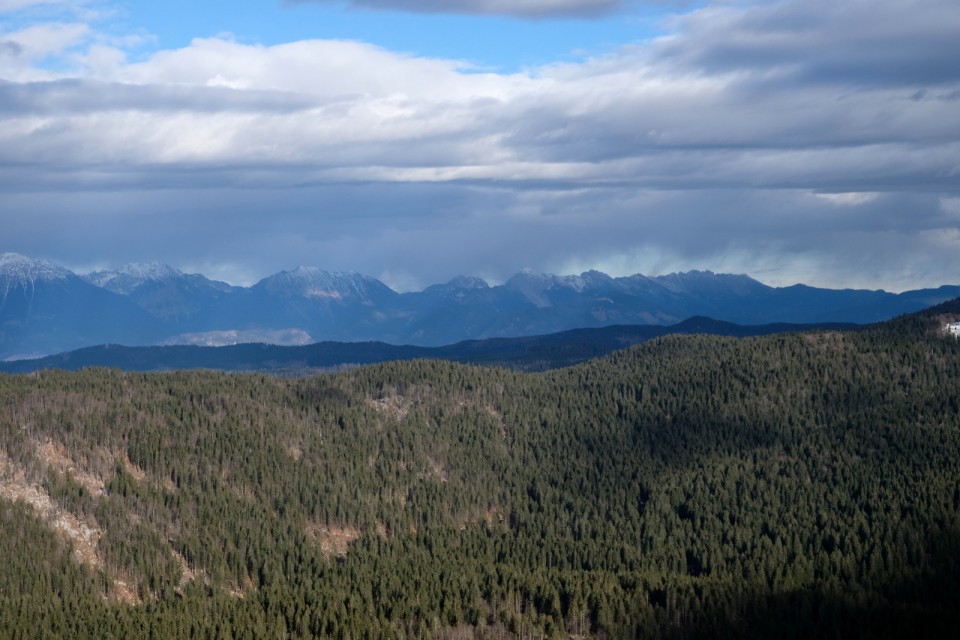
(802, 485)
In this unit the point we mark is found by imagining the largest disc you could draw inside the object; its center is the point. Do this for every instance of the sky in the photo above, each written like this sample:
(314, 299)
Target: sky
(813, 141)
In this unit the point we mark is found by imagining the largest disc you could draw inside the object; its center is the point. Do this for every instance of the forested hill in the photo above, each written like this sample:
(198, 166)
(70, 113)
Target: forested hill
(800, 485)
(528, 353)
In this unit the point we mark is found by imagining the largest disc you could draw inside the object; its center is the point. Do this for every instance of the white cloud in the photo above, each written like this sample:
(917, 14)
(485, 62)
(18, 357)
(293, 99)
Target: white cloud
(7, 6)
(325, 68)
(24, 52)
(52, 10)
(848, 199)
(951, 206)
(42, 40)
(348, 110)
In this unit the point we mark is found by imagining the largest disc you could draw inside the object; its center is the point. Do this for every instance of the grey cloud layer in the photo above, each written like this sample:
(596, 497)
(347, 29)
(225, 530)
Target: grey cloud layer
(75, 97)
(854, 42)
(799, 140)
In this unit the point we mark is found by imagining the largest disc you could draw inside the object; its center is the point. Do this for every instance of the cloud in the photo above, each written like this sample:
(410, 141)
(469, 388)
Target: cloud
(531, 9)
(75, 97)
(858, 43)
(51, 10)
(316, 111)
(8, 6)
(819, 137)
(849, 199)
(39, 41)
(11, 49)
(24, 54)
(345, 109)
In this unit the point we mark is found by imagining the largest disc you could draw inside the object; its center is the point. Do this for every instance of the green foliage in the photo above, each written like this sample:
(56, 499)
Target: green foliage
(797, 485)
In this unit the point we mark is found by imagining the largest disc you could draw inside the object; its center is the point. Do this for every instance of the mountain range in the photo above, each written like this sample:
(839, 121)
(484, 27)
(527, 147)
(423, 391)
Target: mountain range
(47, 309)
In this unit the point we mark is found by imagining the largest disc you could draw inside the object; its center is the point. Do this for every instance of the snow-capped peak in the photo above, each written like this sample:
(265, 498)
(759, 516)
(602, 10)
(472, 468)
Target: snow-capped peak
(533, 286)
(586, 280)
(468, 282)
(312, 278)
(149, 270)
(127, 278)
(528, 276)
(702, 281)
(19, 270)
(312, 282)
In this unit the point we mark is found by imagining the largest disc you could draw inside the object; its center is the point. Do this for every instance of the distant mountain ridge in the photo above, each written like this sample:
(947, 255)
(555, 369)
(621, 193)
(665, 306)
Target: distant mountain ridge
(47, 309)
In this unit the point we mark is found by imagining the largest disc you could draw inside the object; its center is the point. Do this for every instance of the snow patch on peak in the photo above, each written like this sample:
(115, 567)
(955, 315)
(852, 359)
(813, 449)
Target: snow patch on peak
(322, 293)
(583, 281)
(594, 279)
(149, 270)
(532, 274)
(529, 280)
(698, 282)
(129, 277)
(17, 270)
(593, 274)
(314, 273)
(468, 282)
(306, 272)
(528, 276)
(310, 278)
(315, 283)
(533, 286)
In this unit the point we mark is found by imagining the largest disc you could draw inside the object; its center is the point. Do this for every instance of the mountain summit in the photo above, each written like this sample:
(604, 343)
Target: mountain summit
(311, 282)
(19, 271)
(180, 300)
(129, 277)
(45, 308)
